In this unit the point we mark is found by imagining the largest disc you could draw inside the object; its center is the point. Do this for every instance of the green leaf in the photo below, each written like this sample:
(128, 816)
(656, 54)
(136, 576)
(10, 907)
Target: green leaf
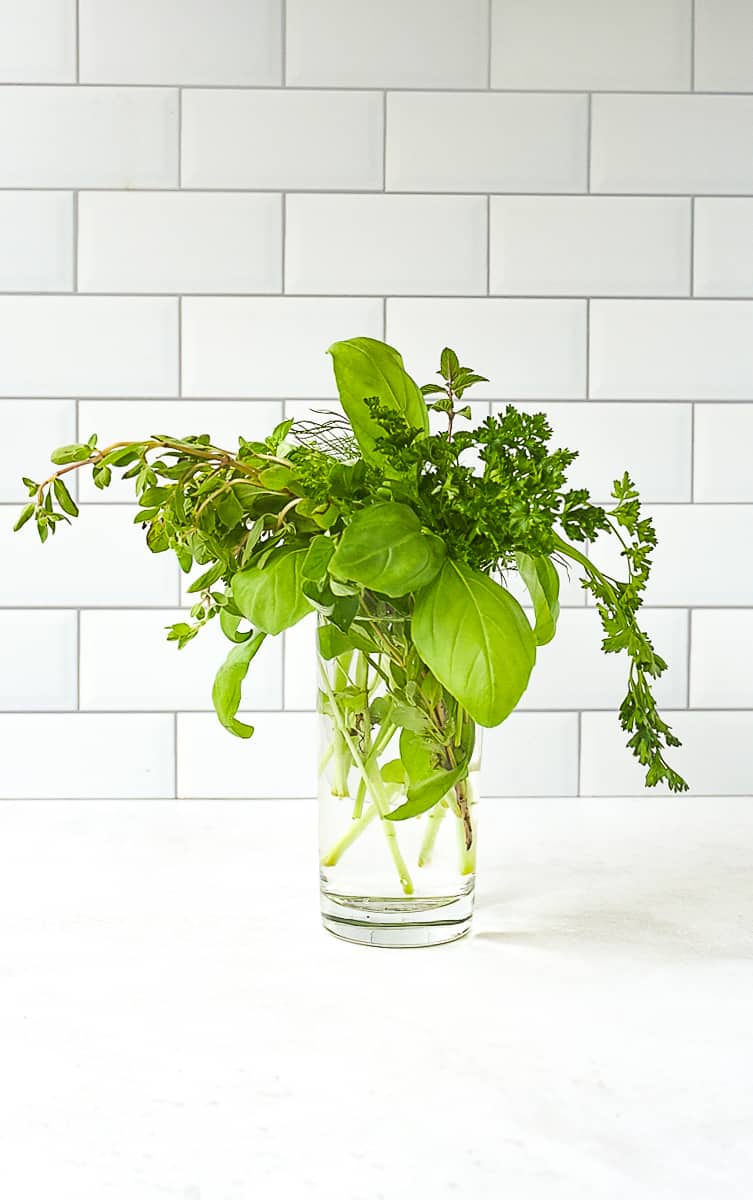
(208, 578)
(229, 509)
(428, 782)
(226, 690)
(229, 623)
(448, 363)
(64, 498)
(393, 772)
(384, 548)
(474, 636)
(70, 454)
(153, 497)
(317, 558)
(333, 642)
(364, 368)
(270, 597)
(543, 583)
(26, 514)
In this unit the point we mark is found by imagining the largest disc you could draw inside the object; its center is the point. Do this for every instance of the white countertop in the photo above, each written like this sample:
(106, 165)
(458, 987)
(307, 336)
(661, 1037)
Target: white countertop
(175, 1025)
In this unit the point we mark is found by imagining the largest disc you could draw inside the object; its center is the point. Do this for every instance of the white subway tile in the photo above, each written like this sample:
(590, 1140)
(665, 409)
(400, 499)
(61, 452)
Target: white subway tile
(181, 41)
(279, 139)
(671, 350)
(36, 241)
(722, 445)
(279, 761)
(100, 559)
(572, 671)
(179, 242)
(723, 247)
(301, 673)
(672, 144)
(614, 438)
(527, 348)
(715, 756)
(589, 245)
(88, 137)
(724, 45)
(481, 142)
(37, 41)
(38, 651)
(88, 346)
(121, 420)
(698, 559)
(531, 754)
(273, 347)
(127, 663)
(31, 429)
(591, 44)
(395, 43)
(72, 756)
(721, 663)
(431, 245)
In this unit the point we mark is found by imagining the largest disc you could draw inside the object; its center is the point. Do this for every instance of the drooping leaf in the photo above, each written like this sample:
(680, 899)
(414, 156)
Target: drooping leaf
(384, 548)
(226, 690)
(26, 514)
(65, 499)
(229, 623)
(366, 368)
(271, 597)
(543, 583)
(428, 780)
(474, 636)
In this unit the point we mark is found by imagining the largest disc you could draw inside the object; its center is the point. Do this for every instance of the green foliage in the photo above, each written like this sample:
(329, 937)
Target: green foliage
(474, 637)
(392, 534)
(384, 548)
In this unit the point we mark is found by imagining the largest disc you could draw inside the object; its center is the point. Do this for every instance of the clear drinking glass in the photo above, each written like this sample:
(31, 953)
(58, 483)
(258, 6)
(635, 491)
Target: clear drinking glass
(407, 882)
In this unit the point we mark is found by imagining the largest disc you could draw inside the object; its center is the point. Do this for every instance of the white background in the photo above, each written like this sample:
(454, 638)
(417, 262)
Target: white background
(197, 198)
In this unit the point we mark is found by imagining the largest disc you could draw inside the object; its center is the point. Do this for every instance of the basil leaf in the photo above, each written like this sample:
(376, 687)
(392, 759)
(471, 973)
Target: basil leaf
(229, 623)
(271, 597)
(226, 691)
(366, 368)
(428, 783)
(384, 548)
(543, 583)
(474, 636)
(317, 558)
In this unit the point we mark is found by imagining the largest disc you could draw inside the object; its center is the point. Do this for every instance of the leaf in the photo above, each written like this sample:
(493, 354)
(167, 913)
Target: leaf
(543, 583)
(26, 514)
(64, 498)
(428, 783)
(229, 623)
(384, 548)
(270, 597)
(70, 454)
(474, 636)
(317, 558)
(208, 578)
(393, 772)
(226, 690)
(229, 509)
(333, 642)
(448, 363)
(364, 368)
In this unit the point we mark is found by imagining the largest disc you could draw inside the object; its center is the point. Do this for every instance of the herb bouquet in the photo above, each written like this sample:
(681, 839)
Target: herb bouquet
(401, 540)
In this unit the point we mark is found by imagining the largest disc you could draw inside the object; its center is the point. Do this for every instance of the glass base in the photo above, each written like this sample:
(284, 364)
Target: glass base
(393, 923)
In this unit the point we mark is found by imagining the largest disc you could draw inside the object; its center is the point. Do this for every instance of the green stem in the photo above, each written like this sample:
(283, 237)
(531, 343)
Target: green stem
(373, 787)
(332, 857)
(435, 819)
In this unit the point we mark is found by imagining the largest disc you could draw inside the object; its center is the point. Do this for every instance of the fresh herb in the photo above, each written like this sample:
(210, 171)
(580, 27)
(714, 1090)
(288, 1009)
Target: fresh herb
(402, 541)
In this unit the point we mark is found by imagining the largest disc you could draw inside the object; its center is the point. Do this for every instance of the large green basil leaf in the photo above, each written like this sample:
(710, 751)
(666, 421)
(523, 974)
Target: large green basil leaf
(474, 636)
(226, 691)
(543, 583)
(384, 548)
(271, 597)
(364, 368)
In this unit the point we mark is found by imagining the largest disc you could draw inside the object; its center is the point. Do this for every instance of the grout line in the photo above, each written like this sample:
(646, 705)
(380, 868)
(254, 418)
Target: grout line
(488, 245)
(384, 141)
(78, 43)
(284, 42)
(689, 656)
(284, 644)
(78, 660)
(180, 348)
(75, 242)
(175, 755)
(489, 33)
(425, 297)
(692, 455)
(180, 138)
(284, 233)
(312, 712)
(367, 190)
(384, 326)
(589, 126)
(692, 45)
(578, 753)
(692, 246)
(480, 90)
(588, 348)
